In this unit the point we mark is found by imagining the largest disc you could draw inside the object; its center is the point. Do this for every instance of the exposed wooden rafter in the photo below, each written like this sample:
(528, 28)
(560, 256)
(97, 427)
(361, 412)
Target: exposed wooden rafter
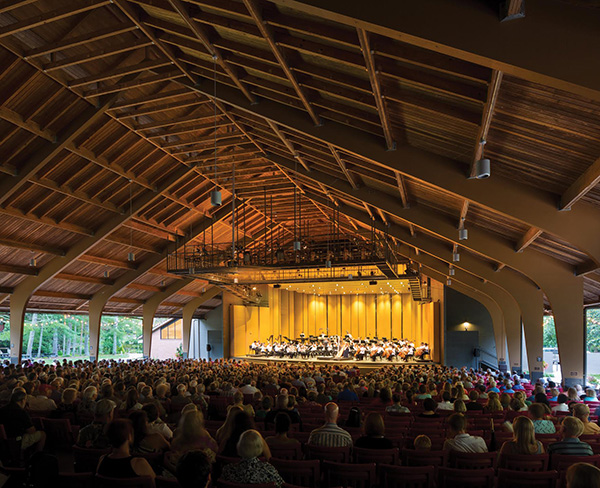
(531, 235)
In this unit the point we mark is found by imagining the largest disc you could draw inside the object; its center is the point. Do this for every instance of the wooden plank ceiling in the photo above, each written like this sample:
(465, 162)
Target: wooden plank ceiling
(99, 108)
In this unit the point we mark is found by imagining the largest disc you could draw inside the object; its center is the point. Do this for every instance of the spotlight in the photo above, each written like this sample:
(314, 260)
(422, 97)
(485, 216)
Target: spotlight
(277, 285)
(130, 257)
(215, 198)
(482, 169)
(455, 257)
(372, 282)
(463, 234)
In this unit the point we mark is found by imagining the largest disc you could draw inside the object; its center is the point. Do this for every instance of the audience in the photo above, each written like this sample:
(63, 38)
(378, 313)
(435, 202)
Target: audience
(422, 443)
(524, 441)
(120, 463)
(330, 434)
(145, 441)
(17, 422)
(583, 475)
(541, 426)
(94, 435)
(250, 469)
(374, 434)
(193, 470)
(582, 412)
(570, 444)
(459, 439)
(282, 428)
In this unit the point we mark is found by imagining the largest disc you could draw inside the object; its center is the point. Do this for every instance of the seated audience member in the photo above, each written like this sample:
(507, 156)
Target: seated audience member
(68, 404)
(241, 423)
(226, 429)
(459, 439)
(282, 428)
(39, 402)
(422, 443)
(354, 418)
(385, 396)
(374, 433)
(493, 387)
(17, 423)
(572, 395)
(191, 435)
(94, 435)
(347, 394)
(397, 407)
(282, 406)
(145, 441)
(473, 404)
(505, 400)
(493, 404)
(517, 405)
(562, 404)
(590, 395)
(155, 423)
(330, 434)
(553, 396)
(322, 397)
(120, 463)
(87, 405)
(582, 412)
(570, 444)
(131, 401)
(523, 439)
(266, 404)
(193, 470)
(422, 393)
(250, 470)
(429, 408)
(541, 426)
(445, 404)
(238, 401)
(459, 406)
(583, 475)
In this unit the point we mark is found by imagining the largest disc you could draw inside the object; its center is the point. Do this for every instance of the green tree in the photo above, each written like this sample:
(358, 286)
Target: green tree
(549, 332)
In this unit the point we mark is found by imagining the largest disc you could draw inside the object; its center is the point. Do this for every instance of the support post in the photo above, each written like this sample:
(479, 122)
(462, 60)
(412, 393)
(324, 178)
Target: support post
(18, 306)
(188, 314)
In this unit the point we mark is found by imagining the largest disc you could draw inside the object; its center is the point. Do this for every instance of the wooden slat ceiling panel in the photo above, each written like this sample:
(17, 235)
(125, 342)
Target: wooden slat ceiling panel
(495, 222)
(558, 248)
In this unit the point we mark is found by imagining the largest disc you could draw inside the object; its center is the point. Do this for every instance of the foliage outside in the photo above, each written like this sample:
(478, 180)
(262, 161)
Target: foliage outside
(57, 335)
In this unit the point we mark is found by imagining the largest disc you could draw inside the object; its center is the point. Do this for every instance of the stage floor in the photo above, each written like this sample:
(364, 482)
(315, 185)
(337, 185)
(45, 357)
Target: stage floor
(364, 365)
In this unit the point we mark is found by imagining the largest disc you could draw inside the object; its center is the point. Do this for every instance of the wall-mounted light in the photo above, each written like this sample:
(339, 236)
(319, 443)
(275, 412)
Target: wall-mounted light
(466, 326)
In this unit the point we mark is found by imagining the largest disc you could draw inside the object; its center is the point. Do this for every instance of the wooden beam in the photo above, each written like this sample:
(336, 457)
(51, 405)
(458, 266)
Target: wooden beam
(30, 246)
(113, 263)
(402, 190)
(365, 47)
(288, 144)
(343, 166)
(84, 279)
(8, 5)
(201, 33)
(160, 108)
(30, 125)
(369, 211)
(22, 270)
(412, 229)
(581, 186)
(463, 214)
(145, 99)
(52, 16)
(486, 118)
(511, 10)
(268, 35)
(499, 267)
(147, 65)
(61, 294)
(72, 42)
(127, 85)
(140, 286)
(531, 235)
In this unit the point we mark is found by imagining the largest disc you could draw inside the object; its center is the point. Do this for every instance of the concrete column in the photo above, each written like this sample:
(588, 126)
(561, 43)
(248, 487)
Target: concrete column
(566, 300)
(188, 314)
(18, 307)
(97, 304)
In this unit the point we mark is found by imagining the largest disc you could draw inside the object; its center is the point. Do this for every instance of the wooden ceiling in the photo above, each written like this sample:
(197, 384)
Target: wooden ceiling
(108, 132)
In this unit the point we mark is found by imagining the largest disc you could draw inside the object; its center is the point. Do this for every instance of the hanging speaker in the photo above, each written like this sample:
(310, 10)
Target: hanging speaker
(463, 234)
(455, 257)
(208, 347)
(297, 245)
(483, 169)
(451, 271)
(215, 198)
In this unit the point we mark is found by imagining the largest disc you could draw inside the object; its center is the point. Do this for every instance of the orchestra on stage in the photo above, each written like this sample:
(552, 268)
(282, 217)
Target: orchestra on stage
(341, 348)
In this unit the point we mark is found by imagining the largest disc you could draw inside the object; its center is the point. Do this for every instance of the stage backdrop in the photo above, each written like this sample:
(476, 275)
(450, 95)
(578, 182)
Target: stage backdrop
(290, 313)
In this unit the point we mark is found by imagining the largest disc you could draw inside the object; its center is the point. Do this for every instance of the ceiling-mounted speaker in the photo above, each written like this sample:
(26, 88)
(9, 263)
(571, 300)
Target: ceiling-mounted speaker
(297, 245)
(455, 257)
(463, 234)
(215, 198)
(451, 271)
(483, 169)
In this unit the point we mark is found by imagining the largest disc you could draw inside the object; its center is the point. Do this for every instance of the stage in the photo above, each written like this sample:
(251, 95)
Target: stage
(363, 365)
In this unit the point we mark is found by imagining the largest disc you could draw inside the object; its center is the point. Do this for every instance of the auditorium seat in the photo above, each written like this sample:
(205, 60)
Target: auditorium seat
(335, 454)
(87, 459)
(139, 482)
(300, 473)
(459, 478)
(294, 452)
(76, 480)
(524, 462)
(59, 433)
(406, 476)
(521, 479)
(410, 457)
(349, 475)
(470, 460)
(561, 462)
(378, 456)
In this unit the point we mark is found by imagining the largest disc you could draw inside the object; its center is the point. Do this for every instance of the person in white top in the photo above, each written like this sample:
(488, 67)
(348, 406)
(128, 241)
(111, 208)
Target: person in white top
(562, 406)
(445, 404)
(461, 441)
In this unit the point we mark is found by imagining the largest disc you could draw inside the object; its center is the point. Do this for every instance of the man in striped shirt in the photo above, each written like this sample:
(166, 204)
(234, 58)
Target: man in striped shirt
(330, 435)
(572, 428)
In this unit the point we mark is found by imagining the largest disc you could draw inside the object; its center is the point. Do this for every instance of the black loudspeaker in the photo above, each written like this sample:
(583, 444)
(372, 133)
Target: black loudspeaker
(476, 352)
(208, 347)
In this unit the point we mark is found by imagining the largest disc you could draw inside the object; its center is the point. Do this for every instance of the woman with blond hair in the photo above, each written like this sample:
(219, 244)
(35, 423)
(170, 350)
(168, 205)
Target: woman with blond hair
(190, 436)
(460, 393)
(583, 475)
(493, 404)
(460, 407)
(374, 434)
(523, 439)
(224, 432)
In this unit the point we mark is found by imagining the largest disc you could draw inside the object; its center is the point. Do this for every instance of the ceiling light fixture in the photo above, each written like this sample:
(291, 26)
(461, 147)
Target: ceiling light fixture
(463, 234)
(455, 257)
